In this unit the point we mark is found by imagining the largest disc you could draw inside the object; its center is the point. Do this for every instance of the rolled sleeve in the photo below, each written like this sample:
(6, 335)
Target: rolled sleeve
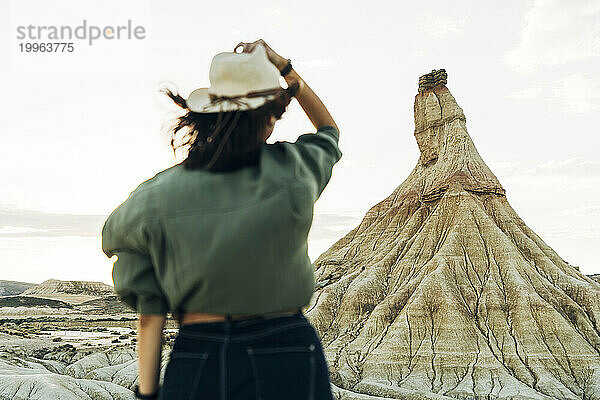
(134, 277)
(319, 152)
(135, 283)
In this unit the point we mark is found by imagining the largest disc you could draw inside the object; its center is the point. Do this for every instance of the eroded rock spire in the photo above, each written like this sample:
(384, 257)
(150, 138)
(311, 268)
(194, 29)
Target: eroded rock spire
(448, 155)
(443, 292)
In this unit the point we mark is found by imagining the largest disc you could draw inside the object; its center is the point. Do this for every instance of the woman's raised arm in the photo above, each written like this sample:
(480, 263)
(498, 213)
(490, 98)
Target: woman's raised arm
(311, 104)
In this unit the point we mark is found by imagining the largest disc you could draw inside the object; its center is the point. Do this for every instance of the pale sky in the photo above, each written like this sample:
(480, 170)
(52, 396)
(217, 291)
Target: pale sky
(81, 130)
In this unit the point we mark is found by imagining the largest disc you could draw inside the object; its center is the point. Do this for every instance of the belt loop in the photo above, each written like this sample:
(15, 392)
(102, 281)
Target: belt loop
(227, 323)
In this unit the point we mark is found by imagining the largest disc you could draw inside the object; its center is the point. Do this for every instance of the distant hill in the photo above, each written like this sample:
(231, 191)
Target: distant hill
(80, 296)
(104, 305)
(11, 288)
(29, 301)
(595, 277)
(55, 286)
(72, 292)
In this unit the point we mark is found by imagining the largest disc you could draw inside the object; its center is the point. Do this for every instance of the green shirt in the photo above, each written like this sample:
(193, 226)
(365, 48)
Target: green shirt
(223, 242)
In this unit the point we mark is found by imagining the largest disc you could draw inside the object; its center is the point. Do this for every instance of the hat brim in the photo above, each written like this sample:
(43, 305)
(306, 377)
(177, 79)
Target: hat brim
(199, 101)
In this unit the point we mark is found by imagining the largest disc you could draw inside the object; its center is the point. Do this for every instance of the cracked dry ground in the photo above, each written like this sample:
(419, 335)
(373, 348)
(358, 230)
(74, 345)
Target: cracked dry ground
(63, 372)
(36, 368)
(442, 291)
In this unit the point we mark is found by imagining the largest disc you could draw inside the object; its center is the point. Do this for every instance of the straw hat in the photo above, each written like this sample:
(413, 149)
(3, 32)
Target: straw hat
(238, 81)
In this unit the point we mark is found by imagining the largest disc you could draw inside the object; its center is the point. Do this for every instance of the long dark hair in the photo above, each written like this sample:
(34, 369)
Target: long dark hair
(245, 130)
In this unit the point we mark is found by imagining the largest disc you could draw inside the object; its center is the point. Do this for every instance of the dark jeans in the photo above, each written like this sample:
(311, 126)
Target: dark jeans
(274, 358)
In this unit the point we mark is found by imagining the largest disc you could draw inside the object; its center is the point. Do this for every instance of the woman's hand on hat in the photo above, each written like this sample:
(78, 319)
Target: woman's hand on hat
(275, 58)
(311, 104)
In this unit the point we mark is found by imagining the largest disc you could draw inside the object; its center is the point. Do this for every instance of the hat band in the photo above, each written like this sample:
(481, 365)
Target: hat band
(256, 93)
